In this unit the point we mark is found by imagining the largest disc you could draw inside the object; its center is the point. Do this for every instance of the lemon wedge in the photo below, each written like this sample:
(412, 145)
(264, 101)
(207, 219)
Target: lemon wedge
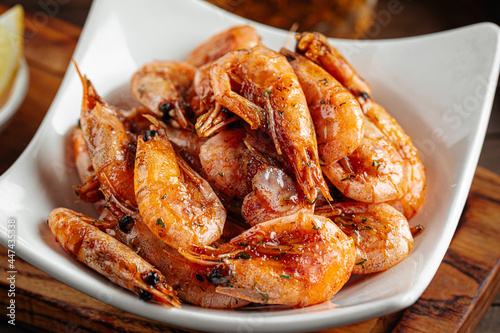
(11, 46)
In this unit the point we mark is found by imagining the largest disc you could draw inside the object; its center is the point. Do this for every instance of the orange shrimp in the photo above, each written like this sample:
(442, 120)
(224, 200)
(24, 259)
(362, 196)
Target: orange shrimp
(259, 85)
(235, 38)
(107, 256)
(413, 198)
(336, 114)
(176, 203)
(298, 260)
(316, 47)
(381, 233)
(111, 151)
(166, 88)
(375, 172)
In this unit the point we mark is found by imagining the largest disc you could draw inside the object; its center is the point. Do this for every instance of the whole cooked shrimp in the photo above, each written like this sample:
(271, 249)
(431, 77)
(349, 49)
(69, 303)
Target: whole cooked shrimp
(259, 85)
(166, 88)
(232, 39)
(176, 203)
(381, 234)
(316, 47)
(413, 198)
(298, 260)
(336, 114)
(374, 172)
(111, 151)
(109, 257)
(274, 194)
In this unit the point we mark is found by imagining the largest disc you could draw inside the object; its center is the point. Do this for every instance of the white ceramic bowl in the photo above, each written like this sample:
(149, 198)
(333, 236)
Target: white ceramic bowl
(439, 87)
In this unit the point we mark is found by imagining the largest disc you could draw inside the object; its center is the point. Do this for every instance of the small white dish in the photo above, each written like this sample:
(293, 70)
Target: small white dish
(15, 95)
(439, 87)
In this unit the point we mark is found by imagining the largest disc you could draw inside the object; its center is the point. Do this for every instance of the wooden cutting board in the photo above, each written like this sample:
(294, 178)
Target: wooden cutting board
(457, 298)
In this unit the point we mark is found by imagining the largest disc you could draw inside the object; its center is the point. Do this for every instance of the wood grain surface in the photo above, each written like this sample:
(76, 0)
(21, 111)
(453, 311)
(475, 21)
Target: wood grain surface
(461, 292)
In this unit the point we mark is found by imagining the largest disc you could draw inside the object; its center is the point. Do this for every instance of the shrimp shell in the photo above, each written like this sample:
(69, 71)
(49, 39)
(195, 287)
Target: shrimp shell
(268, 96)
(336, 114)
(316, 47)
(381, 233)
(298, 260)
(107, 256)
(176, 203)
(235, 38)
(166, 88)
(110, 149)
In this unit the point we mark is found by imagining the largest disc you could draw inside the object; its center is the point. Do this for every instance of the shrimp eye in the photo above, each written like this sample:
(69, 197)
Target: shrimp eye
(165, 108)
(149, 134)
(126, 223)
(151, 278)
(364, 96)
(144, 295)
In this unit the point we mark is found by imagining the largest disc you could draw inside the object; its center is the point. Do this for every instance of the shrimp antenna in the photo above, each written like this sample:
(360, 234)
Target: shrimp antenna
(291, 33)
(77, 69)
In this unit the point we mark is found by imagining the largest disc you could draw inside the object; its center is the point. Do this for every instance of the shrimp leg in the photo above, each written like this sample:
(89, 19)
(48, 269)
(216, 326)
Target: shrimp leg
(107, 256)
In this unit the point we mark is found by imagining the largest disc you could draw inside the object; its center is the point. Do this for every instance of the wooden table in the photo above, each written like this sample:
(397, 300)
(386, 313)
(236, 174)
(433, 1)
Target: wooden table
(457, 298)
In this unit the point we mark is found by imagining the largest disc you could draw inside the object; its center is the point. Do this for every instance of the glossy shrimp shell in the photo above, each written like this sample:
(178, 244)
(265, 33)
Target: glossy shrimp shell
(111, 150)
(316, 47)
(336, 114)
(381, 233)
(298, 260)
(166, 88)
(260, 86)
(107, 256)
(232, 39)
(374, 172)
(176, 203)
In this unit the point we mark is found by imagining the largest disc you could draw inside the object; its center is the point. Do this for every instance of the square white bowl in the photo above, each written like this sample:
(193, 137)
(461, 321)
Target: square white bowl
(439, 87)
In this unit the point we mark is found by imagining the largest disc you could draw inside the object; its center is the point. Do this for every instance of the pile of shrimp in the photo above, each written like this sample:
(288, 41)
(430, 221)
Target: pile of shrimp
(246, 175)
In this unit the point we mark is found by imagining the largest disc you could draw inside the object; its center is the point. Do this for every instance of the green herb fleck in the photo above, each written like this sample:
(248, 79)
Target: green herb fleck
(285, 276)
(315, 227)
(243, 255)
(349, 177)
(264, 296)
(159, 221)
(198, 224)
(242, 244)
(220, 174)
(362, 262)
(322, 101)
(164, 196)
(267, 92)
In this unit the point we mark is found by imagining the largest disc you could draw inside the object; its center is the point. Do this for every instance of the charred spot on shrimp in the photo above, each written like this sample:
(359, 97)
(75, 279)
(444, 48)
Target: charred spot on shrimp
(149, 134)
(126, 223)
